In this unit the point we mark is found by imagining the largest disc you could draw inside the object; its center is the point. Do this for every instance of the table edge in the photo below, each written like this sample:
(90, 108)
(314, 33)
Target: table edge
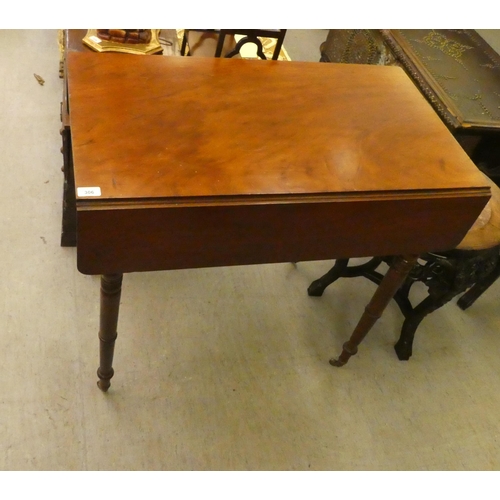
(195, 201)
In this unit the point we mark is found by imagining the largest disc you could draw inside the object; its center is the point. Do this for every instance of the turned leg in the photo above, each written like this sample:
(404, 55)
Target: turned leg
(394, 278)
(317, 287)
(111, 287)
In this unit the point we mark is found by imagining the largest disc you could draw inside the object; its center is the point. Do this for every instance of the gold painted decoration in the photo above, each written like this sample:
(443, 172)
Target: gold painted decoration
(124, 41)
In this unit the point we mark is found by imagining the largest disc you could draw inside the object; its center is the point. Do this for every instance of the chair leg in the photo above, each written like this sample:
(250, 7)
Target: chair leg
(317, 287)
(184, 43)
(279, 44)
(220, 43)
(430, 304)
(446, 275)
(469, 297)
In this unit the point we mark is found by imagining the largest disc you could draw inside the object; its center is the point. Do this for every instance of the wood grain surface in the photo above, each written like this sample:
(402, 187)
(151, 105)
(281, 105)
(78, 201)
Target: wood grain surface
(211, 162)
(185, 127)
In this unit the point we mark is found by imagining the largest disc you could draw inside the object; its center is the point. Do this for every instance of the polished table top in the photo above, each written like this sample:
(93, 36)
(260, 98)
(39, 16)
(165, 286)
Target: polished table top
(194, 162)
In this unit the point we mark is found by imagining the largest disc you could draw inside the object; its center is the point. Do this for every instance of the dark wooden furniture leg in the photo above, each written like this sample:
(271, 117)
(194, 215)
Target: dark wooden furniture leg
(184, 43)
(445, 274)
(404, 346)
(68, 233)
(317, 287)
(220, 43)
(342, 270)
(394, 278)
(279, 44)
(111, 287)
(469, 297)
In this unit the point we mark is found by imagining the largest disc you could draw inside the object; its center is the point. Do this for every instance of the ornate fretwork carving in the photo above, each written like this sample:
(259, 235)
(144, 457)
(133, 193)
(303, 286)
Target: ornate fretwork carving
(446, 275)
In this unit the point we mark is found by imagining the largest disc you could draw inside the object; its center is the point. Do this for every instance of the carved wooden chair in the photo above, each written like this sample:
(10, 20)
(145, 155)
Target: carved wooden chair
(222, 43)
(471, 268)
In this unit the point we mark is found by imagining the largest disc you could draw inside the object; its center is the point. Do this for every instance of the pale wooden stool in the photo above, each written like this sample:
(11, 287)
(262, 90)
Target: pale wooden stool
(473, 265)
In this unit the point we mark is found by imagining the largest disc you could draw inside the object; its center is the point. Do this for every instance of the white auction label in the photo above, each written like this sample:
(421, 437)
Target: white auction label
(88, 191)
(95, 39)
